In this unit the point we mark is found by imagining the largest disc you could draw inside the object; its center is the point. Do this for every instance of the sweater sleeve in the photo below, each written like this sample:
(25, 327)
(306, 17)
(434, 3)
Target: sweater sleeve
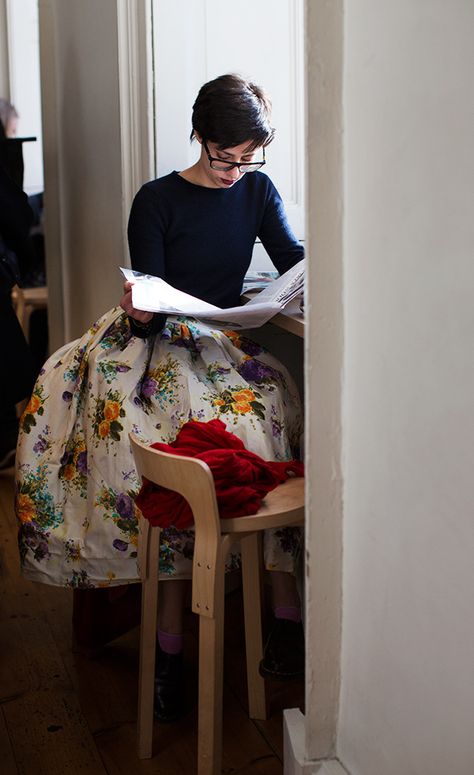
(146, 229)
(276, 234)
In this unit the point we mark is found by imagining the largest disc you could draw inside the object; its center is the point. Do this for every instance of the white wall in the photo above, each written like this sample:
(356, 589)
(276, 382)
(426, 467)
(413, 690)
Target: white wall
(407, 694)
(207, 49)
(24, 85)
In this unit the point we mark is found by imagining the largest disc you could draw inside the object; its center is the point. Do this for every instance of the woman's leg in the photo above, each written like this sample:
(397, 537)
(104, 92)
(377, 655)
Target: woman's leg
(171, 606)
(169, 658)
(284, 591)
(284, 655)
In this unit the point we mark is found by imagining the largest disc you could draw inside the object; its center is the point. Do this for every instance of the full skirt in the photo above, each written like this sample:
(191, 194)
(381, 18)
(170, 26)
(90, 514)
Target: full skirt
(76, 478)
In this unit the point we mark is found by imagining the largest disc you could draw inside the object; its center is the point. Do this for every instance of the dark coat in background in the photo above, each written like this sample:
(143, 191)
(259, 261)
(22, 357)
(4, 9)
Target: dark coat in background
(17, 371)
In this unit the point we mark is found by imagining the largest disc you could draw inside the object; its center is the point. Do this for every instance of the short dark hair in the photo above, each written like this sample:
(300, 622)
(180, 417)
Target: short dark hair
(231, 110)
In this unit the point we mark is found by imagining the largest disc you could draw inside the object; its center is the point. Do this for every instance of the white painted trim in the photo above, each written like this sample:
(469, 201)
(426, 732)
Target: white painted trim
(53, 155)
(4, 52)
(9, 17)
(294, 749)
(135, 66)
(323, 374)
(330, 767)
(296, 39)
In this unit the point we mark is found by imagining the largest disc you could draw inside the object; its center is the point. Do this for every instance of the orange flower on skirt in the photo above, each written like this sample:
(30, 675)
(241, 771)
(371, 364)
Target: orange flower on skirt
(111, 410)
(25, 508)
(104, 429)
(243, 396)
(242, 407)
(69, 472)
(33, 405)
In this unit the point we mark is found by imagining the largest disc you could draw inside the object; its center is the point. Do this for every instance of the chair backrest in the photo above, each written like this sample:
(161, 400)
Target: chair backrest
(193, 480)
(190, 477)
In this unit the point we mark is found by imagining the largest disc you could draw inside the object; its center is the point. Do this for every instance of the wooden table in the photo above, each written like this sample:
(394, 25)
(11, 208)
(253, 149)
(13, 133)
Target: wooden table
(288, 321)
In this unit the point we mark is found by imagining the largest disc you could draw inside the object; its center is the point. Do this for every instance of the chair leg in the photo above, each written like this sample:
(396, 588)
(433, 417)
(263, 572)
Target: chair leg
(148, 644)
(211, 668)
(252, 592)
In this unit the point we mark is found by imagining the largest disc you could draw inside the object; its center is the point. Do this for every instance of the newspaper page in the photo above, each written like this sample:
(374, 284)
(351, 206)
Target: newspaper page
(153, 294)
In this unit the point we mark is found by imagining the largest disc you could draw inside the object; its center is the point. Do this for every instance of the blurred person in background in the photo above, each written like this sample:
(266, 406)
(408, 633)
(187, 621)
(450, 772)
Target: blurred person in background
(17, 373)
(8, 118)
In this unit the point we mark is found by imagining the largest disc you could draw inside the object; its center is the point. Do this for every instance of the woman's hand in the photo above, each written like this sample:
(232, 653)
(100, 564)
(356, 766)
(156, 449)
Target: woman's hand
(127, 306)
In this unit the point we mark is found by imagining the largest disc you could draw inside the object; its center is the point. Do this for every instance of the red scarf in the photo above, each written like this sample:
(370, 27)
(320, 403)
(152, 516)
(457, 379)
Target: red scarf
(241, 478)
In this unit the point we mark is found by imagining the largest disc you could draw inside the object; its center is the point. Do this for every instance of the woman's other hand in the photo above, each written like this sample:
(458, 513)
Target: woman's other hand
(127, 306)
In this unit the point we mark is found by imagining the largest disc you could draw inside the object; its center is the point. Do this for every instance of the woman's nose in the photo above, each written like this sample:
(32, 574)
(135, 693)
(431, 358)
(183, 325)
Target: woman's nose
(235, 172)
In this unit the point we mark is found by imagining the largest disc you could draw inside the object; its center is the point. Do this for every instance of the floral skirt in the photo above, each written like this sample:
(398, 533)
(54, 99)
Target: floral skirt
(76, 478)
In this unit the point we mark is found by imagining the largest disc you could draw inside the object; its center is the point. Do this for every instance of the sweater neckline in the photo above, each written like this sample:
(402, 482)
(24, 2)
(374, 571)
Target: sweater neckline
(178, 175)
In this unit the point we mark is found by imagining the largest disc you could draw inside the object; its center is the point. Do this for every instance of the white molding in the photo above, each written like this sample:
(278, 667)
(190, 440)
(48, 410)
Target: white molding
(294, 750)
(4, 52)
(136, 99)
(296, 43)
(8, 37)
(53, 155)
(323, 374)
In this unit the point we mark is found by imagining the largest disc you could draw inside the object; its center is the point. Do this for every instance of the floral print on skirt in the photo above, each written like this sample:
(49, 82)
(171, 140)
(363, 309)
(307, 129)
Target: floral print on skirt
(76, 479)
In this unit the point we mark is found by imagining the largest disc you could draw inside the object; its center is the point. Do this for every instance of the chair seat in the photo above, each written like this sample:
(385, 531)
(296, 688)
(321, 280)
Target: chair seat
(281, 507)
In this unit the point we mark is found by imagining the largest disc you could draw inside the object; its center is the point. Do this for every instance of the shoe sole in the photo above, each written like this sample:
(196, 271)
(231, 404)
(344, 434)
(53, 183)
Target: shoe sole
(279, 676)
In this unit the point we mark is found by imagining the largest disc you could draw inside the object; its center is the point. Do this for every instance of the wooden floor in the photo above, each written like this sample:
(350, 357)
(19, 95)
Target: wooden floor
(64, 713)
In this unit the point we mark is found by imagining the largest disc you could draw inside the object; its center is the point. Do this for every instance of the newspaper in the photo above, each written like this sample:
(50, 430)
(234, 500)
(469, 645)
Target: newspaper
(153, 294)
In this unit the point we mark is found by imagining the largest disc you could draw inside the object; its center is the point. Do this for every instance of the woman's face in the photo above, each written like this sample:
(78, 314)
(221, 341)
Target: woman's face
(226, 178)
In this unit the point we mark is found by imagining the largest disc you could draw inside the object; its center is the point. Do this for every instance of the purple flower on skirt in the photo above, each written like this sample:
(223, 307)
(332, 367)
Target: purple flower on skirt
(123, 368)
(250, 348)
(255, 371)
(122, 546)
(124, 506)
(64, 458)
(82, 462)
(67, 396)
(148, 388)
(41, 445)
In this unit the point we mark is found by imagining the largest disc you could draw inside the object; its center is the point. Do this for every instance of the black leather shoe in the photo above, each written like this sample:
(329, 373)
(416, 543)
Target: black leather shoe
(168, 686)
(283, 656)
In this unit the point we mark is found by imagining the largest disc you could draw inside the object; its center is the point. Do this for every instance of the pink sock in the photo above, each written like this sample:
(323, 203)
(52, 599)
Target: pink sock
(169, 643)
(290, 612)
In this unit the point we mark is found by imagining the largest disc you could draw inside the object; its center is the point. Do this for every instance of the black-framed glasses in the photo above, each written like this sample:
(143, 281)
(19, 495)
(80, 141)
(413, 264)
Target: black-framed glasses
(225, 166)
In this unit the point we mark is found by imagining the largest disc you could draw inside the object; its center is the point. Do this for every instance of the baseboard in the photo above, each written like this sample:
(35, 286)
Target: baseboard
(294, 762)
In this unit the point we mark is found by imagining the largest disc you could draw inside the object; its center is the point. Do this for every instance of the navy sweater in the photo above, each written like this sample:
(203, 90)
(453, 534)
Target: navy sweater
(200, 239)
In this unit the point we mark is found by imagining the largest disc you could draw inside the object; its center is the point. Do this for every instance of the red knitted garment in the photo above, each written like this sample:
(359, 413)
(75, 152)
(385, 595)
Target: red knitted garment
(241, 478)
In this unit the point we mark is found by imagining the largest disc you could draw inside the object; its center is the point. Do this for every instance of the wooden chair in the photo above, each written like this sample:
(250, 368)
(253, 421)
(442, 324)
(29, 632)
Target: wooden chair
(282, 507)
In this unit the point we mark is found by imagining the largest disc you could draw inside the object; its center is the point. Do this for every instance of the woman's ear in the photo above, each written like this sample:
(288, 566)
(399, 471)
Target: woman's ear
(197, 136)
